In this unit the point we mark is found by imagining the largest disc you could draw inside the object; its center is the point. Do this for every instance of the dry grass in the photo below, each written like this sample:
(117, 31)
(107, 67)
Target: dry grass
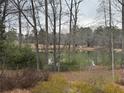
(97, 74)
(18, 91)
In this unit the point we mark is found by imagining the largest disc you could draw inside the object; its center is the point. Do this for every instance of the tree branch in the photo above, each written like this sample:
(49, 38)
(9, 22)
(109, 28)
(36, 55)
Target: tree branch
(16, 5)
(120, 2)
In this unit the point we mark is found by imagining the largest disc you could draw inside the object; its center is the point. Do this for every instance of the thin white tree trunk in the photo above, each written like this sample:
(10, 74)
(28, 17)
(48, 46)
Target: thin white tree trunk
(112, 41)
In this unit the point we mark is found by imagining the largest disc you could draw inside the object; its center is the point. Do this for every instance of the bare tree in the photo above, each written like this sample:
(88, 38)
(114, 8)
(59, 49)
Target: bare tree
(105, 15)
(20, 26)
(123, 28)
(75, 18)
(112, 41)
(60, 23)
(54, 10)
(70, 25)
(3, 12)
(2, 1)
(103, 11)
(34, 26)
(35, 33)
(20, 5)
(122, 32)
(46, 26)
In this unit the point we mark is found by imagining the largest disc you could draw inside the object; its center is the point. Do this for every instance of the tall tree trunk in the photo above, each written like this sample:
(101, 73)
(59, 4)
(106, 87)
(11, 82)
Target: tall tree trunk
(105, 16)
(46, 26)
(122, 36)
(60, 18)
(36, 37)
(2, 35)
(54, 33)
(123, 25)
(53, 5)
(112, 41)
(76, 5)
(4, 10)
(2, 31)
(70, 29)
(20, 26)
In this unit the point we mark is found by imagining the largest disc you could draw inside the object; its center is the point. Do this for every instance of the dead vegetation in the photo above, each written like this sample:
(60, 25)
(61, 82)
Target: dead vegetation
(18, 91)
(121, 80)
(21, 80)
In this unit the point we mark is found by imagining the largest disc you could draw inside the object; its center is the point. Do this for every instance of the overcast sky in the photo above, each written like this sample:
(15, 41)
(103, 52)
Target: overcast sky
(87, 15)
(88, 12)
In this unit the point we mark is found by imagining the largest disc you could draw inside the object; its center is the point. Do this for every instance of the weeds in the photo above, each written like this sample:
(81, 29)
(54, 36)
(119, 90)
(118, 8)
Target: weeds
(58, 84)
(21, 80)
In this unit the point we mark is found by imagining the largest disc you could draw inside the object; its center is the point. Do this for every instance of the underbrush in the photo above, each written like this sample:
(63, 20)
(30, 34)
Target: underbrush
(112, 88)
(21, 80)
(121, 82)
(58, 84)
(55, 85)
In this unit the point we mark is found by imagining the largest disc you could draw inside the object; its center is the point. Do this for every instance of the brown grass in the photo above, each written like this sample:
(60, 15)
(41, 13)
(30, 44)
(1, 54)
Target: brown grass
(97, 74)
(88, 76)
(18, 91)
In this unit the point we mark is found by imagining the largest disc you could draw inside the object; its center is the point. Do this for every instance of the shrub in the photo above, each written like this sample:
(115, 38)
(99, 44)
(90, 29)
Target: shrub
(76, 61)
(121, 81)
(21, 80)
(69, 66)
(112, 88)
(19, 57)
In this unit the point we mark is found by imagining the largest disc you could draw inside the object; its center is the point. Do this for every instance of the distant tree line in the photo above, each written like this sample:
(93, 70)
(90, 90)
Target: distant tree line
(84, 36)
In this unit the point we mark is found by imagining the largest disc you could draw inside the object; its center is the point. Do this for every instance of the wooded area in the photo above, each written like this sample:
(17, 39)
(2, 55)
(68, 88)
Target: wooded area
(41, 36)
